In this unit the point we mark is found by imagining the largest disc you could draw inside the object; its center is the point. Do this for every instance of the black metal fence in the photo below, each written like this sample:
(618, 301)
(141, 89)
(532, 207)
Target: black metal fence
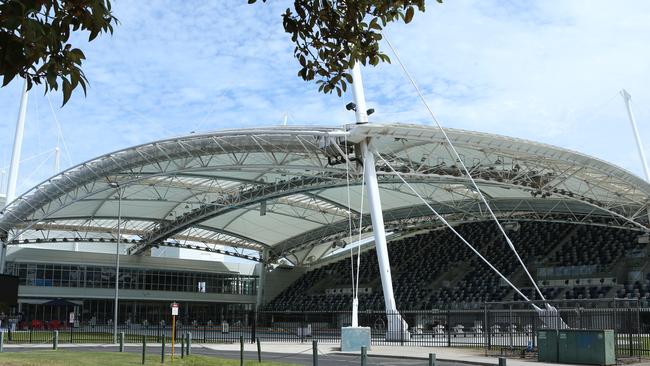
(498, 327)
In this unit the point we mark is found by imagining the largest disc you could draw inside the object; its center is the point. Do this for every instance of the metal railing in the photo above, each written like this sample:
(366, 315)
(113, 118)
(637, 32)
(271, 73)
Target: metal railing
(498, 327)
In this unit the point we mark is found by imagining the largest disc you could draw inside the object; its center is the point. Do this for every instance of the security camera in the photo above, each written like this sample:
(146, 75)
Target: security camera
(351, 107)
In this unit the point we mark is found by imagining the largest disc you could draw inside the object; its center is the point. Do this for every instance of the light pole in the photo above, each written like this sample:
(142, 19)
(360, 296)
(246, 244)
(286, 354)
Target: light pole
(117, 255)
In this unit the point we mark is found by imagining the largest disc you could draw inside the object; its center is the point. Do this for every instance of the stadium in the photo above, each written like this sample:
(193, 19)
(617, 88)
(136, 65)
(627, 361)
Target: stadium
(288, 203)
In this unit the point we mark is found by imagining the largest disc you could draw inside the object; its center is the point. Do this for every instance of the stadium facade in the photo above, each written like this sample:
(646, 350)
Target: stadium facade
(280, 198)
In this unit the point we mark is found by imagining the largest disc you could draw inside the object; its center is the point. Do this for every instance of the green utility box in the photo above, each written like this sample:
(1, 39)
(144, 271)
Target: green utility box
(591, 347)
(547, 345)
(588, 347)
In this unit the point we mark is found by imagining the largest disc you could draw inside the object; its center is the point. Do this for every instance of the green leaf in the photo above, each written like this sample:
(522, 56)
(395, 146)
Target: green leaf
(67, 91)
(409, 14)
(8, 76)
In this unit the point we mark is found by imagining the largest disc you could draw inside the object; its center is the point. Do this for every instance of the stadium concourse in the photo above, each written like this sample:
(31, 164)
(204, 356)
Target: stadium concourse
(286, 201)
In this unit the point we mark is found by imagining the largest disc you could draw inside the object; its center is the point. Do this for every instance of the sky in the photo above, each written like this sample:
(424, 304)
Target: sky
(548, 71)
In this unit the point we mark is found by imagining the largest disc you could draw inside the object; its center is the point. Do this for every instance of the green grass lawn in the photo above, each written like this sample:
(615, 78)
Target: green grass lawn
(78, 358)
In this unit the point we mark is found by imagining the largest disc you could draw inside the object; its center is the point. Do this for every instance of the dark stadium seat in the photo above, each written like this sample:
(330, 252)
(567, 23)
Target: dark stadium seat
(436, 270)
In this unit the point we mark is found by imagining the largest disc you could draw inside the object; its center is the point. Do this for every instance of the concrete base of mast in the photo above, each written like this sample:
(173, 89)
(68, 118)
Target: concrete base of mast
(353, 338)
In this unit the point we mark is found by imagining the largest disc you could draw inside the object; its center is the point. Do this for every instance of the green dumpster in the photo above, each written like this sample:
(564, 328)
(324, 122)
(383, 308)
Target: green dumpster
(589, 347)
(547, 345)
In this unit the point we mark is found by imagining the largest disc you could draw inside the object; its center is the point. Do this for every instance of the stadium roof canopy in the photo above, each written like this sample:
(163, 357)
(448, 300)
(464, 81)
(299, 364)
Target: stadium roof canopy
(285, 189)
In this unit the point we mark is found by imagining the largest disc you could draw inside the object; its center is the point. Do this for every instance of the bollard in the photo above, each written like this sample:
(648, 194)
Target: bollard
(55, 340)
(121, 341)
(162, 352)
(241, 350)
(432, 359)
(188, 344)
(364, 356)
(2, 341)
(182, 346)
(259, 350)
(144, 348)
(502, 361)
(314, 346)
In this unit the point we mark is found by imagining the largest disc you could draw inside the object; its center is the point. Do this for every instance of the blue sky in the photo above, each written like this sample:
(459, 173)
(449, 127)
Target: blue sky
(548, 71)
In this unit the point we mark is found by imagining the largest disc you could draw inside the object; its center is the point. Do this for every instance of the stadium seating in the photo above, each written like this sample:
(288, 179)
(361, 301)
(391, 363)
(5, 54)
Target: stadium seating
(436, 270)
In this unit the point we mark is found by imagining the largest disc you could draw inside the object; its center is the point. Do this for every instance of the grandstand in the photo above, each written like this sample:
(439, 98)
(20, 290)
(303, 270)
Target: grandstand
(433, 270)
(285, 200)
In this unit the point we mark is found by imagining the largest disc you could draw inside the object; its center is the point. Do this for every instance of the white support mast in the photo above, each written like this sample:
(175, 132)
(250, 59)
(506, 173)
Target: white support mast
(397, 327)
(3, 176)
(13, 168)
(57, 159)
(18, 144)
(627, 98)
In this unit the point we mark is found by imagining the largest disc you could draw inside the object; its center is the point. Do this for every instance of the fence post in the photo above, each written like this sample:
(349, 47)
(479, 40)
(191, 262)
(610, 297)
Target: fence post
(31, 334)
(253, 326)
(314, 346)
(638, 328)
(448, 328)
(121, 341)
(629, 330)
(162, 350)
(2, 341)
(55, 340)
(579, 317)
(241, 350)
(510, 328)
(189, 343)
(301, 329)
(182, 346)
(502, 361)
(401, 328)
(432, 359)
(364, 356)
(144, 348)
(488, 330)
(534, 335)
(259, 350)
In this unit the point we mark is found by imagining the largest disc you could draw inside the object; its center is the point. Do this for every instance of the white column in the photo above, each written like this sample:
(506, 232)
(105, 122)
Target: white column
(359, 96)
(261, 279)
(3, 182)
(3, 254)
(117, 260)
(377, 216)
(627, 98)
(397, 327)
(57, 159)
(18, 144)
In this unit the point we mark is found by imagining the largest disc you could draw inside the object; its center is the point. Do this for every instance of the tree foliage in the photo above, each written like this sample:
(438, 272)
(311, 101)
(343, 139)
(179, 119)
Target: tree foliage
(330, 36)
(35, 35)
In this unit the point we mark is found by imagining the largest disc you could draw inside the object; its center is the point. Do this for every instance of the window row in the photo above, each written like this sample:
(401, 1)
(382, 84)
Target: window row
(57, 275)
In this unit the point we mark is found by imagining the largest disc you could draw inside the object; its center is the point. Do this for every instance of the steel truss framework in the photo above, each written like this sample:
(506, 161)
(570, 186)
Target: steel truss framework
(286, 189)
